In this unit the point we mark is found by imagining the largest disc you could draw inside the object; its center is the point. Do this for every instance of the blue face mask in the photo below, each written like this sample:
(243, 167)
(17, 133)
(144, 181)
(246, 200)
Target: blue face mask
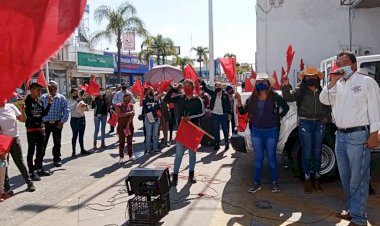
(347, 72)
(261, 86)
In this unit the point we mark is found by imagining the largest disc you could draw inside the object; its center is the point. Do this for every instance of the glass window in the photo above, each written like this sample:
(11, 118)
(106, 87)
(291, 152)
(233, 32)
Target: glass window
(373, 70)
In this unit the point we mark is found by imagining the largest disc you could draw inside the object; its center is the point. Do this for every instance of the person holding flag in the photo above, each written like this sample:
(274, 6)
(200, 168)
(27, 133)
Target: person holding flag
(58, 115)
(35, 130)
(191, 109)
(221, 111)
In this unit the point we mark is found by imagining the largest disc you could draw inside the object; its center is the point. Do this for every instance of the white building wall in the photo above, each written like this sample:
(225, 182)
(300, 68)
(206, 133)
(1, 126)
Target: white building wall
(316, 28)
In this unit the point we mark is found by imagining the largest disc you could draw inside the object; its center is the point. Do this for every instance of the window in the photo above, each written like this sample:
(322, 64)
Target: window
(373, 70)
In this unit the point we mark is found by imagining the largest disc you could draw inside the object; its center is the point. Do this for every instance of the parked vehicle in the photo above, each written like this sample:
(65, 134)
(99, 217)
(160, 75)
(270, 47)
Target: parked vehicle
(289, 145)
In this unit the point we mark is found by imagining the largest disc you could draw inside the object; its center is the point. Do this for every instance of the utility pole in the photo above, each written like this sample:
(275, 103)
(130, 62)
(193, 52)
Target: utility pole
(211, 44)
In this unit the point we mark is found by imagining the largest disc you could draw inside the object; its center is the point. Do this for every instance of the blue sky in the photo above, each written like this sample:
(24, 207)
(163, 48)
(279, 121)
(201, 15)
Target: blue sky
(234, 24)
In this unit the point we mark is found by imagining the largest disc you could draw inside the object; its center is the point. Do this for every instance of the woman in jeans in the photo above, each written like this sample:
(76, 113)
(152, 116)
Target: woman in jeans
(152, 114)
(312, 116)
(101, 107)
(264, 121)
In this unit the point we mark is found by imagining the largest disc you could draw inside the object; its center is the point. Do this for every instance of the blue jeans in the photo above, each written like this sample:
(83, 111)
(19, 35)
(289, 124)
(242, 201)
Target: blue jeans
(78, 126)
(100, 121)
(311, 134)
(353, 163)
(180, 150)
(151, 130)
(217, 121)
(264, 141)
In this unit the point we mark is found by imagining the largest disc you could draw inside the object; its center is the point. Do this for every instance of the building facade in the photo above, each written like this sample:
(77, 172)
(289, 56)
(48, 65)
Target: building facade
(316, 29)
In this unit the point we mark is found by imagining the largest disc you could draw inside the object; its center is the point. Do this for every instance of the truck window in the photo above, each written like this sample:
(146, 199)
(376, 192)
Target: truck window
(373, 70)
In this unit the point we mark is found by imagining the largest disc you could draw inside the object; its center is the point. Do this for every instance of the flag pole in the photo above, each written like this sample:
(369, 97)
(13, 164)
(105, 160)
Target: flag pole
(211, 45)
(206, 133)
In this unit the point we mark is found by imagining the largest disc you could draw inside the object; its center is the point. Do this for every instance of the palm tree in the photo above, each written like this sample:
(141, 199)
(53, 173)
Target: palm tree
(201, 53)
(183, 61)
(120, 20)
(229, 55)
(158, 46)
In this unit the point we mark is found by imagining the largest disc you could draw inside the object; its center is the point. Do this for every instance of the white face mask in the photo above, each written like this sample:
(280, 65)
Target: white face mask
(102, 93)
(347, 72)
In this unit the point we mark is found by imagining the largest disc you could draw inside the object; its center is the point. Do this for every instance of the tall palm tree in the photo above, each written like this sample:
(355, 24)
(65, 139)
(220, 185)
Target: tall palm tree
(229, 55)
(120, 20)
(158, 46)
(201, 53)
(183, 61)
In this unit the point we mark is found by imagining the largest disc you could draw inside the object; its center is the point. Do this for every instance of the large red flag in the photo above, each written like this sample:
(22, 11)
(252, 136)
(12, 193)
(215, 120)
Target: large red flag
(253, 73)
(164, 85)
(5, 144)
(289, 57)
(137, 88)
(283, 73)
(190, 73)
(31, 32)
(94, 88)
(229, 67)
(276, 84)
(189, 135)
(41, 79)
(302, 65)
(248, 87)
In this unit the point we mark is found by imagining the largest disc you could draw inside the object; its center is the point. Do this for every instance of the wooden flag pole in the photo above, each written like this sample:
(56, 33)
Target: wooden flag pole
(206, 133)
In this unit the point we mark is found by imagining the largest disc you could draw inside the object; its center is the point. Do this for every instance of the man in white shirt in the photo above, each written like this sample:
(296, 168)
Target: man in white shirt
(119, 95)
(355, 101)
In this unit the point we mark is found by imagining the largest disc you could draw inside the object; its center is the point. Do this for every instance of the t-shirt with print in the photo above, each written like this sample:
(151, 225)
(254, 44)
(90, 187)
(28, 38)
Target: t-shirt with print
(8, 120)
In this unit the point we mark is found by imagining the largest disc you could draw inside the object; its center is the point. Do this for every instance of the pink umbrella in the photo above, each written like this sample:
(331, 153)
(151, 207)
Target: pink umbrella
(164, 72)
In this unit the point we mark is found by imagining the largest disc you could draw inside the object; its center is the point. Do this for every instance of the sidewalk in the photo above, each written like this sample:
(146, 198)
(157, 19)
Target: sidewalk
(219, 198)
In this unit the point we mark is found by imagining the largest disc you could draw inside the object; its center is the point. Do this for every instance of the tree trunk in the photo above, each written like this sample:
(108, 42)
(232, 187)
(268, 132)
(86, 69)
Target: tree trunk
(158, 59)
(200, 67)
(119, 45)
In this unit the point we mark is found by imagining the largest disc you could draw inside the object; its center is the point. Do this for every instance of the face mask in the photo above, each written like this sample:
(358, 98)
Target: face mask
(261, 86)
(312, 82)
(75, 97)
(218, 90)
(124, 88)
(102, 93)
(347, 72)
(151, 94)
(188, 91)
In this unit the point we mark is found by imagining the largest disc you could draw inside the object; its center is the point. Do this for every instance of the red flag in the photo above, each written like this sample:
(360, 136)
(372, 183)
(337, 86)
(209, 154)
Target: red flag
(94, 88)
(31, 32)
(41, 79)
(113, 119)
(5, 144)
(27, 83)
(253, 73)
(137, 88)
(242, 121)
(84, 86)
(190, 73)
(189, 135)
(229, 67)
(283, 73)
(164, 85)
(289, 57)
(302, 65)
(334, 68)
(276, 84)
(248, 86)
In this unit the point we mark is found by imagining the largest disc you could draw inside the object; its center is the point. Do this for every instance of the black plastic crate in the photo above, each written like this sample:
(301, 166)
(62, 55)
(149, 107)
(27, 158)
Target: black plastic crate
(148, 210)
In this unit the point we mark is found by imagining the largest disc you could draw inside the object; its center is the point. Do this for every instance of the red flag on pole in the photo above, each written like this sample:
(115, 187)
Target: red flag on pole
(276, 84)
(253, 73)
(137, 88)
(164, 85)
(190, 73)
(302, 65)
(113, 119)
(229, 67)
(46, 23)
(189, 135)
(289, 57)
(283, 73)
(248, 86)
(27, 83)
(5, 144)
(94, 88)
(41, 79)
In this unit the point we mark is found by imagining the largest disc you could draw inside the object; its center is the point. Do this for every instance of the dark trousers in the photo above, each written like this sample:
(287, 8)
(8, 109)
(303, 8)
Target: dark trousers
(57, 135)
(16, 153)
(220, 121)
(171, 123)
(232, 123)
(78, 126)
(36, 142)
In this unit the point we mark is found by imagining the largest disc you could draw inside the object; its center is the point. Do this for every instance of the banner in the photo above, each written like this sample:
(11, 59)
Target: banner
(129, 41)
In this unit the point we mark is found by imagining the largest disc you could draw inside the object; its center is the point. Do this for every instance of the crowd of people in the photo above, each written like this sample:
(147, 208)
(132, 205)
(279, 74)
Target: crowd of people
(351, 100)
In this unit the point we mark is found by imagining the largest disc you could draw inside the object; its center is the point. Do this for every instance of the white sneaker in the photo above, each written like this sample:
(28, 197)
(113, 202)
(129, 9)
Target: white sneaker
(132, 158)
(121, 160)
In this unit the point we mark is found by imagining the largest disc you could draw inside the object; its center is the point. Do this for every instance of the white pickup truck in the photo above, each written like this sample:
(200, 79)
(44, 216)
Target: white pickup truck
(289, 146)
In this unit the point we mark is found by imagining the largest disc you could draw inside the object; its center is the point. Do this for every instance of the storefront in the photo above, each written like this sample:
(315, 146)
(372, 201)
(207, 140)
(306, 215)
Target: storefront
(89, 65)
(131, 69)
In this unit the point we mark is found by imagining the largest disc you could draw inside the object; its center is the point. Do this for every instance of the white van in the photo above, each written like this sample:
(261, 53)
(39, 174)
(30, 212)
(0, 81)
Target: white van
(289, 146)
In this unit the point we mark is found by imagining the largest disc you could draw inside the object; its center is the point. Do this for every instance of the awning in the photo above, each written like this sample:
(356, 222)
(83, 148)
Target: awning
(366, 3)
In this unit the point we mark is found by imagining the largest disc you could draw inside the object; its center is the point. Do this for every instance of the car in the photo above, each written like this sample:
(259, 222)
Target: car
(289, 145)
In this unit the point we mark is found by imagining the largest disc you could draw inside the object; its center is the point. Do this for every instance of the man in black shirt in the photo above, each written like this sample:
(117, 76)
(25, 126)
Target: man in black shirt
(191, 108)
(35, 130)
